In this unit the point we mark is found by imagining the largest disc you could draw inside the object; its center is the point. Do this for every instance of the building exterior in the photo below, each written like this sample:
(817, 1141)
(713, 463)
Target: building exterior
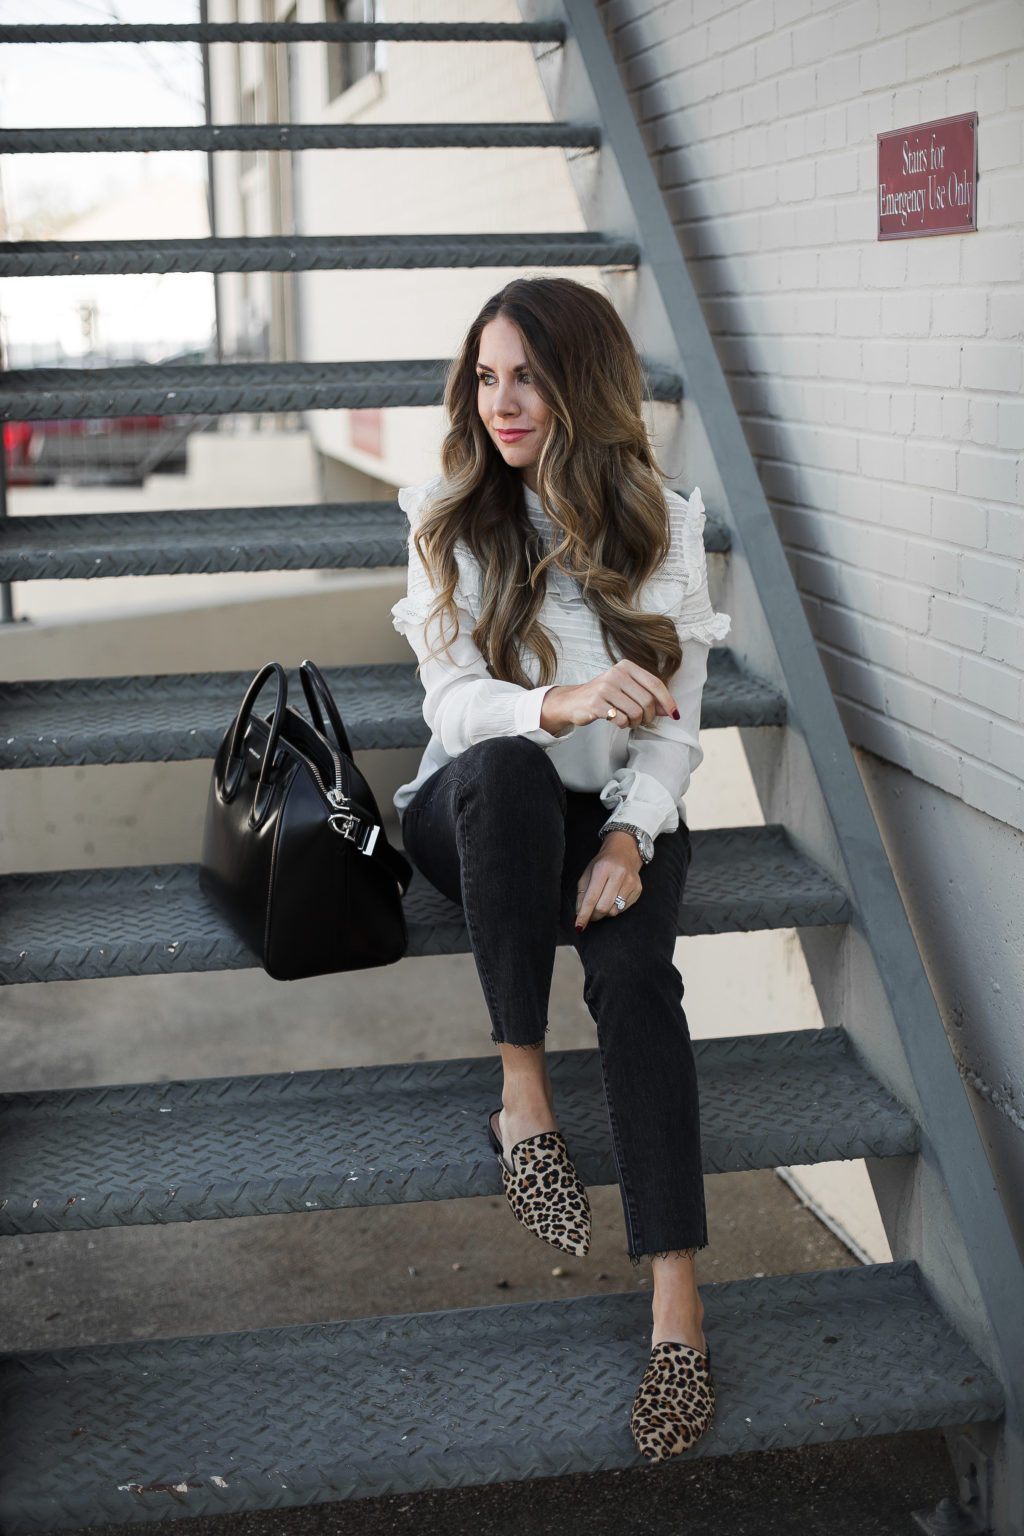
(880, 387)
(879, 383)
(343, 315)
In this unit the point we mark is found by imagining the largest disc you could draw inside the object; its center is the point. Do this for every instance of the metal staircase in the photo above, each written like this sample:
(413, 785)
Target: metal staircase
(289, 1416)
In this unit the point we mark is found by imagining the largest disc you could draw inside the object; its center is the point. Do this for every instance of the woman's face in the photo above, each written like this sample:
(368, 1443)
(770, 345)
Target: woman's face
(510, 407)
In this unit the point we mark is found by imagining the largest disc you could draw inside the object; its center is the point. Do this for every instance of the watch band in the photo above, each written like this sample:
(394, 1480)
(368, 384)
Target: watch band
(644, 840)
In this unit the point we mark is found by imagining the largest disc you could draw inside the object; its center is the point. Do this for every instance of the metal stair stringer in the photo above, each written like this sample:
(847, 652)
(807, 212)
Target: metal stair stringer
(940, 1208)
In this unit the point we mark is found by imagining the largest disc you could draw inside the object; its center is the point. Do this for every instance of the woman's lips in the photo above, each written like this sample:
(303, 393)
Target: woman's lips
(512, 435)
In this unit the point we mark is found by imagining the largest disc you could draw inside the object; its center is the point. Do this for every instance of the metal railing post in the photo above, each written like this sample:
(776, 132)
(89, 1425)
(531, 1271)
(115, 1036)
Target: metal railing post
(6, 587)
(211, 188)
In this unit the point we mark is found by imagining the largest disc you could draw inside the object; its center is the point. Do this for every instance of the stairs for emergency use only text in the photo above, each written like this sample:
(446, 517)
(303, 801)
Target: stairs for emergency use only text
(296, 1415)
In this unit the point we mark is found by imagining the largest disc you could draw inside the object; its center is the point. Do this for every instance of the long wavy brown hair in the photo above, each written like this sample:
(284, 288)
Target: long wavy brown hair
(597, 478)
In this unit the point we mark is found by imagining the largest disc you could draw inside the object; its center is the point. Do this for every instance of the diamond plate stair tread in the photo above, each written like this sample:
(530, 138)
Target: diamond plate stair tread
(283, 32)
(332, 535)
(301, 1415)
(42, 394)
(305, 253)
(145, 919)
(188, 1151)
(178, 717)
(220, 137)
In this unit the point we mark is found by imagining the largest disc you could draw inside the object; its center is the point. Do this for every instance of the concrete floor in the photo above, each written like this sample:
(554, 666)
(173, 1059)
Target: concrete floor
(147, 1282)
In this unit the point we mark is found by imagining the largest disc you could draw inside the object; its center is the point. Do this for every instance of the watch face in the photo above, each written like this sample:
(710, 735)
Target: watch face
(646, 845)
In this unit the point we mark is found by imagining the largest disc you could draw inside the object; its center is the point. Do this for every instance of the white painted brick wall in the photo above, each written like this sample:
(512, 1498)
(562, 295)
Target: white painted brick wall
(880, 384)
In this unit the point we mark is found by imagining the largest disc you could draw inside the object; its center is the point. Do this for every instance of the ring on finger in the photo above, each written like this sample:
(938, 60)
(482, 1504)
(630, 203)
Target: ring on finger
(620, 903)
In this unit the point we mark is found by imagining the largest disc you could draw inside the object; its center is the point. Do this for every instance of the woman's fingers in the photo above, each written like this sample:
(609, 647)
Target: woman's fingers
(601, 882)
(635, 695)
(651, 686)
(639, 703)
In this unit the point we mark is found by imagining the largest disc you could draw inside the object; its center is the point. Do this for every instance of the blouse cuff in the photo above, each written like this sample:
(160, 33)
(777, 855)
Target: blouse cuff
(645, 804)
(528, 711)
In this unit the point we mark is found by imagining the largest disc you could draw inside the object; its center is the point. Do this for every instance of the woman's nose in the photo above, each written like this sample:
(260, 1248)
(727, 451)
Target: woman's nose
(506, 403)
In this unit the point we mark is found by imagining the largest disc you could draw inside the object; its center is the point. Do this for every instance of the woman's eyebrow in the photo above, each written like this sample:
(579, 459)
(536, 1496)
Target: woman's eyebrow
(482, 367)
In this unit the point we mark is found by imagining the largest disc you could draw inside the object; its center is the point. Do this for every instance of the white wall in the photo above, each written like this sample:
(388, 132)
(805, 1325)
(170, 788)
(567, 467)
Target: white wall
(968, 933)
(880, 388)
(416, 314)
(879, 383)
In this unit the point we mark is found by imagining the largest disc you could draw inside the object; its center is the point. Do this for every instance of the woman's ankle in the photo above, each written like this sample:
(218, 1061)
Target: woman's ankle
(677, 1310)
(526, 1088)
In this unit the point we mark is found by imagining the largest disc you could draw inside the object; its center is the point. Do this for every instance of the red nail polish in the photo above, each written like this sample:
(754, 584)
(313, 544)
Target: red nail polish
(675, 714)
(579, 927)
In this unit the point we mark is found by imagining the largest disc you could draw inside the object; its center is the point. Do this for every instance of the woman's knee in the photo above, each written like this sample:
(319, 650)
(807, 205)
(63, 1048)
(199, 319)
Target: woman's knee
(621, 983)
(510, 766)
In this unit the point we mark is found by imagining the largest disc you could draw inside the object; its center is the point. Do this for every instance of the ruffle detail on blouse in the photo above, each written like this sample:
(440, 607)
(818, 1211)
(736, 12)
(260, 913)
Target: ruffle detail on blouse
(693, 540)
(706, 626)
(710, 631)
(406, 615)
(413, 498)
(413, 611)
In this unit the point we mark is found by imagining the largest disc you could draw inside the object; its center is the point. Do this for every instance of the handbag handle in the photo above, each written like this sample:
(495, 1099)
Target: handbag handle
(234, 767)
(314, 686)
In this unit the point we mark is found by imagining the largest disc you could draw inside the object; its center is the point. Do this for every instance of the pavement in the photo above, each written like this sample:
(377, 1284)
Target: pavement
(86, 1287)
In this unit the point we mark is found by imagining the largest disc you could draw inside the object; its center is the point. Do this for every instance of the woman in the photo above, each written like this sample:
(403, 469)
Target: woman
(559, 610)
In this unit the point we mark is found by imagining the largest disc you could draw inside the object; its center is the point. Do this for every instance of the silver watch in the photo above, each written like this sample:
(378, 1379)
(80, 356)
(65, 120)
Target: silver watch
(644, 840)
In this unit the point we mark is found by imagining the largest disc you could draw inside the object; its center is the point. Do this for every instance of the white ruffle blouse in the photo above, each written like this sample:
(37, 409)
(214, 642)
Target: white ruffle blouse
(641, 775)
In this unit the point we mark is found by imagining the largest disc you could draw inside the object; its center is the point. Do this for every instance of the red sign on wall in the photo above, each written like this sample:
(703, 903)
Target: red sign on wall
(928, 179)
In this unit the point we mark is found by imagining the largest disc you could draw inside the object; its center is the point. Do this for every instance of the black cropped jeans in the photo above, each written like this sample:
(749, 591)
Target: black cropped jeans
(497, 831)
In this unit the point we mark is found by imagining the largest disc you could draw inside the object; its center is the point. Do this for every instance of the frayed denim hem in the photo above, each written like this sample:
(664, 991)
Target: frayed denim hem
(669, 1253)
(530, 1045)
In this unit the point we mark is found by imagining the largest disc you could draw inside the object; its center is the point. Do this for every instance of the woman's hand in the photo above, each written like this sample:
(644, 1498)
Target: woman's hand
(625, 695)
(614, 871)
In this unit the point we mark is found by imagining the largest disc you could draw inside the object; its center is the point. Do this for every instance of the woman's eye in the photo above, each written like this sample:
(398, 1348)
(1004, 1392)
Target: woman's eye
(485, 378)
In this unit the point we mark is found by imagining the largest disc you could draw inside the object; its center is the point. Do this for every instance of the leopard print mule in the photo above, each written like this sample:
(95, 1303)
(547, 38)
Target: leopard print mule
(544, 1190)
(674, 1403)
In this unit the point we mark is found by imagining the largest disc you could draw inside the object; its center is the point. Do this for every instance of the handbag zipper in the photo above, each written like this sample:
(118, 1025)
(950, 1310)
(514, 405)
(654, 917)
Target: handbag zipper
(343, 819)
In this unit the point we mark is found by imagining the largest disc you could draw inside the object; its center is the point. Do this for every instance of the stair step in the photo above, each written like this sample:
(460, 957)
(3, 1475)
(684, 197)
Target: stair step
(291, 136)
(146, 920)
(301, 1141)
(334, 535)
(181, 717)
(287, 32)
(307, 253)
(50, 394)
(283, 1417)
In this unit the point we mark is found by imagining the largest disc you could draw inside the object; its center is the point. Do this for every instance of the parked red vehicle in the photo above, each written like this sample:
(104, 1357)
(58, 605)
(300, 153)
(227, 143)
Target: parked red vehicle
(118, 450)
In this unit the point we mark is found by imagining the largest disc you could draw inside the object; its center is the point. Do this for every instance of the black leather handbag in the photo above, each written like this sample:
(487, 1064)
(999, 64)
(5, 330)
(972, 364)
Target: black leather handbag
(294, 852)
